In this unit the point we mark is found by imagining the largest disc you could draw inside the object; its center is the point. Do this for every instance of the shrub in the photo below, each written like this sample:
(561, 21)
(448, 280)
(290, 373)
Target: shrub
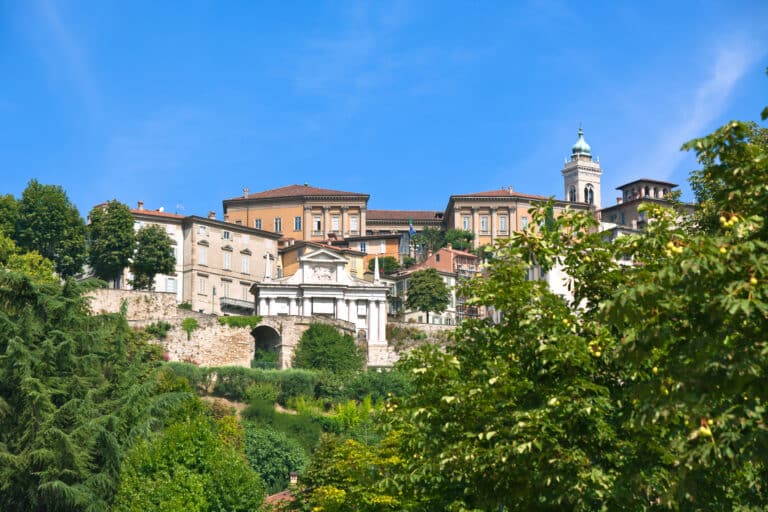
(240, 321)
(322, 347)
(264, 391)
(273, 455)
(196, 377)
(378, 385)
(158, 329)
(189, 324)
(185, 306)
(296, 383)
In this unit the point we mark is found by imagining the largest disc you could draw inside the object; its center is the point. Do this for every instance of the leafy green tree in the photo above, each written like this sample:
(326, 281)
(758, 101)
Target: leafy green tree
(459, 239)
(429, 239)
(9, 210)
(322, 347)
(112, 239)
(387, 265)
(75, 390)
(51, 225)
(408, 262)
(188, 466)
(273, 455)
(31, 264)
(154, 255)
(427, 292)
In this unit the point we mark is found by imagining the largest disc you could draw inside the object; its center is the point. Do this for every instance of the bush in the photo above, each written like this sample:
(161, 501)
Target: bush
(189, 324)
(322, 347)
(196, 377)
(185, 306)
(378, 385)
(264, 359)
(234, 382)
(296, 383)
(273, 455)
(264, 391)
(304, 429)
(158, 329)
(240, 321)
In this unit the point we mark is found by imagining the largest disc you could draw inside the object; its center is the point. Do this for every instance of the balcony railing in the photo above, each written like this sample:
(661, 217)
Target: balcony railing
(236, 304)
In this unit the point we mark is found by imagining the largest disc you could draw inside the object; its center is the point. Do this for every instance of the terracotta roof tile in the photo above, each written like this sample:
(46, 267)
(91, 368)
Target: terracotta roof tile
(297, 191)
(155, 213)
(502, 193)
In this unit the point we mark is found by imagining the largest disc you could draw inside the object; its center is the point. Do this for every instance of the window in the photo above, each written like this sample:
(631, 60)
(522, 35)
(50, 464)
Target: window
(226, 259)
(622, 219)
(202, 284)
(363, 247)
(503, 223)
(465, 223)
(226, 235)
(278, 225)
(589, 194)
(317, 222)
(437, 257)
(246, 265)
(239, 222)
(225, 288)
(246, 239)
(245, 291)
(382, 247)
(647, 191)
(656, 192)
(257, 223)
(297, 223)
(170, 284)
(483, 223)
(203, 255)
(353, 223)
(524, 222)
(201, 230)
(572, 194)
(334, 223)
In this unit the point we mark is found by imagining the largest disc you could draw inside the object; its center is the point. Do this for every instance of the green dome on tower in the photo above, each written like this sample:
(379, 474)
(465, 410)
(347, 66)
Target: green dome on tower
(581, 147)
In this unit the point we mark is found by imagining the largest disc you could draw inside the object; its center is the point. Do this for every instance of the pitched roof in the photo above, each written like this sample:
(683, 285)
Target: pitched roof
(406, 215)
(501, 193)
(647, 180)
(155, 213)
(297, 191)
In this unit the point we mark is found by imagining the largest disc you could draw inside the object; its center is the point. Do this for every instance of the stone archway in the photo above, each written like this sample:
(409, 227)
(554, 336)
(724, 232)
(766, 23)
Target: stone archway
(267, 342)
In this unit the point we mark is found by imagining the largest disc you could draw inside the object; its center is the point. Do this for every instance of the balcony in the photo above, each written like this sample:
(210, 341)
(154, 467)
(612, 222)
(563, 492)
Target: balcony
(236, 305)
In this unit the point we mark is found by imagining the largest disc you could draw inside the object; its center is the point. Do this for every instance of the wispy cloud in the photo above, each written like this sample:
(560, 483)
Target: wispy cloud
(709, 101)
(64, 53)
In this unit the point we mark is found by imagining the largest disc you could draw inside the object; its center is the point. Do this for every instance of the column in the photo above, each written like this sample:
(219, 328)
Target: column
(343, 226)
(263, 306)
(293, 306)
(457, 224)
(352, 312)
(341, 309)
(326, 222)
(363, 221)
(306, 309)
(492, 222)
(476, 227)
(271, 306)
(307, 223)
(383, 321)
(373, 322)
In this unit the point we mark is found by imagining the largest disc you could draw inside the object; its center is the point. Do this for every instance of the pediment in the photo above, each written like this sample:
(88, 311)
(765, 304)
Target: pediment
(322, 256)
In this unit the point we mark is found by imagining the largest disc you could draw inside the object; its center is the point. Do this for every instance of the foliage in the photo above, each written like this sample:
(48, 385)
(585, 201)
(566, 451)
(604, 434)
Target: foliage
(264, 358)
(408, 261)
(188, 325)
(75, 391)
(322, 347)
(387, 265)
(112, 239)
(154, 255)
(263, 392)
(159, 329)
(240, 321)
(304, 429)
(198, 378)
(31, 264)
(429, 239)
(427, 292)
(400, 337)
(187, 306)
(51, 225)
(9, 210)
(459, 239)
(188, 466)
(273, 455)
(349, 475)
(379, 385)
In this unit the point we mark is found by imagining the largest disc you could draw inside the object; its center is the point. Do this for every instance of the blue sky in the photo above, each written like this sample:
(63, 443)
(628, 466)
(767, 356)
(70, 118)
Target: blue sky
(182, 104)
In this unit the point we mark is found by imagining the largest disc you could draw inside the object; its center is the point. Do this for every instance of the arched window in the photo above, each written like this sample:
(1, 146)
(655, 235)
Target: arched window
(572, 194)
(589, 195)
(647, 191)
(656, 192)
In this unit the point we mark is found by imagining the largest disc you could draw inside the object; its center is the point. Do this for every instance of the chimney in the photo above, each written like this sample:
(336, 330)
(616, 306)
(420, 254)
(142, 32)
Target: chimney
(212, 215)
(511, 189)
(618, 200)
(141, 205)
(245, 191)
(449, 246)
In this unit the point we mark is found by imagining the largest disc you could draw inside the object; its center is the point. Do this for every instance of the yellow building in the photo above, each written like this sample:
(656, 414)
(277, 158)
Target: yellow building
(301, 212)
(291, 255)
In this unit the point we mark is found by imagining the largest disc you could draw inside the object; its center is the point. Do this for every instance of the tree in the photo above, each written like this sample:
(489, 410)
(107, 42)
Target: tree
(429, 239)
(112, 239)
(154, 255)
(31, 264)
(273, 455)
(459, 239)
(387, 265)
(322, 347)
(427, 292)
(9, 209)
(51, 225)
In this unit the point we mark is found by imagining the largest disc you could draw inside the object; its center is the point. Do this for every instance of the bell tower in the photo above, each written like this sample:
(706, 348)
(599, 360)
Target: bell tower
(581, 174)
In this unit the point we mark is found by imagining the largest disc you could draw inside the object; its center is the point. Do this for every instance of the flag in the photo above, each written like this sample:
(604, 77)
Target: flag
(410, 226)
